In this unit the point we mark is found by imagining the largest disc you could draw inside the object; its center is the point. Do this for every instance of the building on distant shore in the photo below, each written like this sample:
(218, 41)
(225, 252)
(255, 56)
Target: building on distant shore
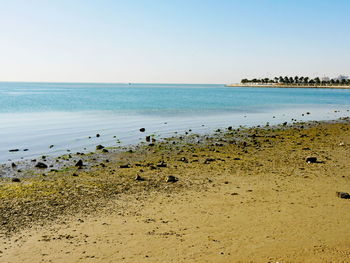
(341, 77)
(325, 79)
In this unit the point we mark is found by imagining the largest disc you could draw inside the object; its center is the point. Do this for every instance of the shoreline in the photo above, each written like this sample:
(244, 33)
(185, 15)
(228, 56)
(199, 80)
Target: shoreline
(286, 86)
(260, 167)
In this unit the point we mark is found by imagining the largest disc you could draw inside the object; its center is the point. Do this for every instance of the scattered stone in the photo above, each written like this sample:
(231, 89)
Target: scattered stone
(311, 159)
(51, 146)
(13, 165)
(16, 180)
(142, 130)
(104, 150)
(98, 135)
(230, 128)
(41, 165)
(79, 163)
(162, 164)
(99, 147)
(14, 150)
(139, 178)
(171, 179)
(209, 160)
(184, 159)
(148, 138)
(343, 195)
(125, 166)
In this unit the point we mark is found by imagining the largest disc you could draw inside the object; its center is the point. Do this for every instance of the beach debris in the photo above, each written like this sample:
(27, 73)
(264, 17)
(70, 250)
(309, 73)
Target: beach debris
(98, 135)
(99, 147)
(14, 150)
(41, 165)
(16, 180)
(171, 179)
(142, 129)
(161, 164)
(343, 195)
(124, 166)
(341, 144)
(79, 163)
(311, 159)
(148, 138)
(139, 178)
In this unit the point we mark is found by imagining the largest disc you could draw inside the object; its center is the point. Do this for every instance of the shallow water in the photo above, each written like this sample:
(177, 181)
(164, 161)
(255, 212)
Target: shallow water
(34, 116)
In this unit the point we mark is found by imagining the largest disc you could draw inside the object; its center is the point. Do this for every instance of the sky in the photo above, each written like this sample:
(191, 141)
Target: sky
(168, 41)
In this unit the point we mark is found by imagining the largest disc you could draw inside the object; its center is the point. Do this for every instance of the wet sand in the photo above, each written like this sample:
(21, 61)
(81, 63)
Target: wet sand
(244, 195)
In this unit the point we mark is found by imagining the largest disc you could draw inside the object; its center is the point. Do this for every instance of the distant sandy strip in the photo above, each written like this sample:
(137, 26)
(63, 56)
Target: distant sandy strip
(287, 86)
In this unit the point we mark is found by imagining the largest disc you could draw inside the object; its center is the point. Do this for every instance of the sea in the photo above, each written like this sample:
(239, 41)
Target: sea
(55, 118)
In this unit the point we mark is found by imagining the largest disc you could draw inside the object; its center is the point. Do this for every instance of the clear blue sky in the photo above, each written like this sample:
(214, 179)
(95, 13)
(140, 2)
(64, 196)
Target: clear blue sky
(189, 41)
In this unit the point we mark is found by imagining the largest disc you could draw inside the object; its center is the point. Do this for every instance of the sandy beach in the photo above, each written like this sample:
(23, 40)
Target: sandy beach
(244, 195)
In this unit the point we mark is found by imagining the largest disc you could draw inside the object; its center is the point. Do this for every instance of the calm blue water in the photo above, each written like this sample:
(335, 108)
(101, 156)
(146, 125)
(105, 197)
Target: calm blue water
(36, 115)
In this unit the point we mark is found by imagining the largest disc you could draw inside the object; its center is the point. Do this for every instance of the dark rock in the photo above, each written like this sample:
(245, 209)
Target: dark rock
(142, 130)
(171, 179)
(99, 147)
(284, 123)
(311, 159)
(51, 146)
(74, 174)
(16, 180)
(148, 138)
(13, 165)
(98, 135)
(209, 160)
(139, 178)
(41, 165)
(125, 166)
(230, 128)
(79, 163)
(162, 164)
(343, 195)
(151, 144)
(25, 150)
(104, 150)
(14, 150)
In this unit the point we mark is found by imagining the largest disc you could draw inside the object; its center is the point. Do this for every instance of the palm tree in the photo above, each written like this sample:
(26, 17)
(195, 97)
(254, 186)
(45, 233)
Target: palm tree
(296, 79)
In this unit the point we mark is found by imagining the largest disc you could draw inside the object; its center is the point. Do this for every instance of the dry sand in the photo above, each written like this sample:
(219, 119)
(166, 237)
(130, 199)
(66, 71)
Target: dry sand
(246, 196)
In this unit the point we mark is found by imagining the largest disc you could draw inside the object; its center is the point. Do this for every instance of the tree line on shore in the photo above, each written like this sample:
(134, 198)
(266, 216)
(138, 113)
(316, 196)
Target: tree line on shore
(298, 81)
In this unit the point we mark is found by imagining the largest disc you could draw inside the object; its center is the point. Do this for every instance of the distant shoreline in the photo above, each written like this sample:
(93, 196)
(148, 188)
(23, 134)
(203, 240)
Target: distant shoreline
(286, 86)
